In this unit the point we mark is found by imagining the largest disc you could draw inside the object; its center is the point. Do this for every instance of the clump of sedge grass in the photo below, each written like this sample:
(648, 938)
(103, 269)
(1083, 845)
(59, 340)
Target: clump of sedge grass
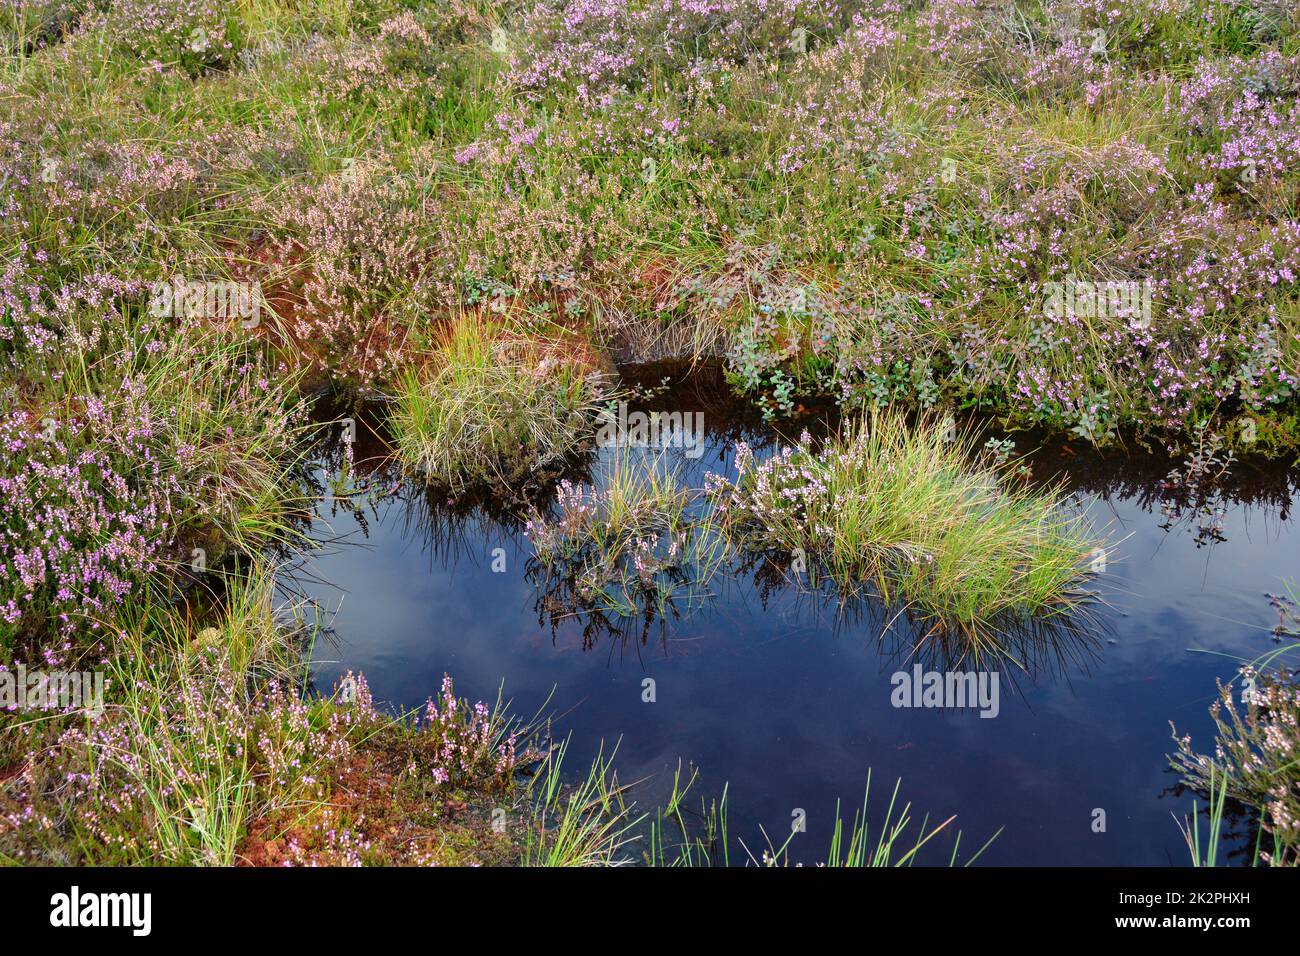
(587, 824)
(904, 511)
(492, 407)
(632, 542)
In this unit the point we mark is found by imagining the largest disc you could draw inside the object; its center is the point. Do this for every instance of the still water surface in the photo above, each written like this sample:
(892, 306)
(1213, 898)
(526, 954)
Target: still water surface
(770, 691)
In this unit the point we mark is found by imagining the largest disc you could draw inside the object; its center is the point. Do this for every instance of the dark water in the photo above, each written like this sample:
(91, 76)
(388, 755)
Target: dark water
(768, 690)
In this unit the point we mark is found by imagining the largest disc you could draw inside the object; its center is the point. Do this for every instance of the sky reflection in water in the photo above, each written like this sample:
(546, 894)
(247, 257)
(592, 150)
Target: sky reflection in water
(763, 689)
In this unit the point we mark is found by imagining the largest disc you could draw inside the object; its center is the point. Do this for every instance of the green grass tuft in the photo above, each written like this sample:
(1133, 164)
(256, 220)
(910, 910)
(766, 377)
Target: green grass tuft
(491, 408)
(905, 511)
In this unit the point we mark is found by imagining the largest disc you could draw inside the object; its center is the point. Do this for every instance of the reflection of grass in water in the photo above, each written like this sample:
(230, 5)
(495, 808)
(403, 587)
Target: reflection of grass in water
(1029, 645)
(902, 511)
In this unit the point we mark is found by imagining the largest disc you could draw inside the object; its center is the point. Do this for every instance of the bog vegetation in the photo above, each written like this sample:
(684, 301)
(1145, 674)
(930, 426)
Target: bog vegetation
(1069, 214)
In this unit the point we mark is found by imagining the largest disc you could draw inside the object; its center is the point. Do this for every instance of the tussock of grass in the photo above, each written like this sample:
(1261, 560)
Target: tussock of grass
(904, 511)
(631, 544)
(491, 407)
(584, 824)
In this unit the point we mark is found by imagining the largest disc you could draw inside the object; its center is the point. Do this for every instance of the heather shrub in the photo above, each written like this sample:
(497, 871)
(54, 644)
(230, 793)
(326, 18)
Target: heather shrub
(396, 71)
(92, 224)
(208, 748)
(27, 25)
(352, 263)
(1255, 756)
(606, 46)
(193, 34)
(78, 536)
(468, 746)
(141, 458)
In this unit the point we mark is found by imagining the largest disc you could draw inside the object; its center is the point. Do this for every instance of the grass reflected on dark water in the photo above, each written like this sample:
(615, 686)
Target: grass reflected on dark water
(778, 694)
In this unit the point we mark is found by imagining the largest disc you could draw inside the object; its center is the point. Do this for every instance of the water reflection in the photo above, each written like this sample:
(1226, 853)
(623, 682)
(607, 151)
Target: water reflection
(784, 692)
